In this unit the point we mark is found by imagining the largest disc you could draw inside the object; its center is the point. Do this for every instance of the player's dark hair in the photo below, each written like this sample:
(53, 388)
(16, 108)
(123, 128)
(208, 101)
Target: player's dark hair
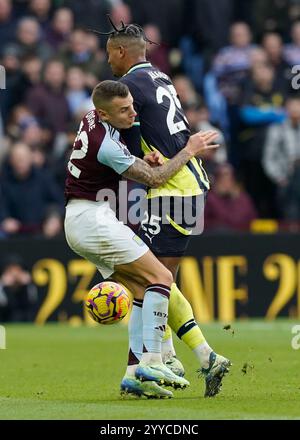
(105, 91)
(126, 30)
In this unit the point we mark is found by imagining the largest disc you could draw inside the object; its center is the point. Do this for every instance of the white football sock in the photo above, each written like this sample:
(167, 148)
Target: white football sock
(135, 333)
(155, 317)
(167, 348)
(202, 352)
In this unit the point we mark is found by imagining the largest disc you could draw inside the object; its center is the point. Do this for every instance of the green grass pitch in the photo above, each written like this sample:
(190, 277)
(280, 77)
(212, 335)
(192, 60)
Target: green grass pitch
(63, 372)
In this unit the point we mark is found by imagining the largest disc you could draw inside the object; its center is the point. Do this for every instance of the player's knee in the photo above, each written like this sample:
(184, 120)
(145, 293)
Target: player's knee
(162, 276)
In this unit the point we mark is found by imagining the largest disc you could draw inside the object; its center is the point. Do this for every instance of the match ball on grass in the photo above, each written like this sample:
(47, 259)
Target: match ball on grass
(107, 303)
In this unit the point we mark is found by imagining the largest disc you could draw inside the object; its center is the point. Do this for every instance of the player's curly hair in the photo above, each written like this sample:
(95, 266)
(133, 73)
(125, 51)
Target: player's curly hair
(130, 30)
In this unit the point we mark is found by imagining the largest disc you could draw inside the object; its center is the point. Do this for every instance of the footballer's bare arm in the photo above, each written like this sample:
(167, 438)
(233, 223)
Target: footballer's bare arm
(140, 171)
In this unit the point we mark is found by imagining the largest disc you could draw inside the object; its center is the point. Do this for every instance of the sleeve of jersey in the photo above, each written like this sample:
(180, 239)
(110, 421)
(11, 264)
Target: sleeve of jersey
(115, 155)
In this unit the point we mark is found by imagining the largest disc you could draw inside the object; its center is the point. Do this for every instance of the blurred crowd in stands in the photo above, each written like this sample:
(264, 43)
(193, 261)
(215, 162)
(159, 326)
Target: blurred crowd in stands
(18, 293)
(231, 62)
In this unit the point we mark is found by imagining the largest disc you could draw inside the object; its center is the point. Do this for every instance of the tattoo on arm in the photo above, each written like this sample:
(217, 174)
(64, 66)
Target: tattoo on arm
(141, 172)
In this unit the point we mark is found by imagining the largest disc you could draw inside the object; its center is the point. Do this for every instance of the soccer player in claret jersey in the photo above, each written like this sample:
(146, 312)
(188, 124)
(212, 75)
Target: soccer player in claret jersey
(98, 161)
(162, 126)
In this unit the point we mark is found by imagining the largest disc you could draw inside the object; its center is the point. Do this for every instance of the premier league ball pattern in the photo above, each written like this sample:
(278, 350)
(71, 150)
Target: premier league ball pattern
(107, 303)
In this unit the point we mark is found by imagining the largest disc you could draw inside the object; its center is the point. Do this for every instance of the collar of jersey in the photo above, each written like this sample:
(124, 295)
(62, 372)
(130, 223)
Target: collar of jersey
(138, 66)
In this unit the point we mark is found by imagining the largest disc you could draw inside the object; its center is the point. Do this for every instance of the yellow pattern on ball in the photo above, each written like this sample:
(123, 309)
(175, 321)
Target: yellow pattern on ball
(107, 303)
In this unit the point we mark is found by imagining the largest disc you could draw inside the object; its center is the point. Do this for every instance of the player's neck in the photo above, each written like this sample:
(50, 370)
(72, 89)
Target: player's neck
(135, 62)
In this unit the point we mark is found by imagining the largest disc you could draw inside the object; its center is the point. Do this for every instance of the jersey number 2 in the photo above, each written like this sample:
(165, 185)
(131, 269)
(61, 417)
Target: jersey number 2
(79, 154)
(170, 93)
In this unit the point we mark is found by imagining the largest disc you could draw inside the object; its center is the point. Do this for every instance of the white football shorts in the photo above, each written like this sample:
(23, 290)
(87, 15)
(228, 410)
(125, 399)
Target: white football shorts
(94, 232)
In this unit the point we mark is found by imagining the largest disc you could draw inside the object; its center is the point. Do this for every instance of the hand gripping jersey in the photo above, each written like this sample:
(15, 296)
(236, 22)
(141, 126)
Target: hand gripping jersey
(162, 126)
(97, 159)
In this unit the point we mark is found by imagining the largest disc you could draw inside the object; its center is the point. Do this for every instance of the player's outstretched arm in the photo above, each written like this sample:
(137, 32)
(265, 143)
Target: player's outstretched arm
(140, 171)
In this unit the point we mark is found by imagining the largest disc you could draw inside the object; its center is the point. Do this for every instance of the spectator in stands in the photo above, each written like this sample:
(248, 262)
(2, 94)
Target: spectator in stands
(76, 92)
(225, 81)
(262, 105)
(40, 158)
(7, 23)
(120, 12)
(207, 24)
(166, 14)
(33, 136)
(11, 96)
(78, 52)
(281, 160)
(47, 101)
(232, 63)
(157, 54)
(292, 50)
(60, 27)
(29, 39)
(54, 225)
(199, 119)
(21, 118)
(31, 69)
(102, 70)
(259, 57)
(27, 194)
(228, 207)
(273, 45)
(90, 14)
(18, 294)
(41, 10)
(24, 127)
(60, 161)
(244, 94)
(262, 100)
(21, 76)
(185, 90)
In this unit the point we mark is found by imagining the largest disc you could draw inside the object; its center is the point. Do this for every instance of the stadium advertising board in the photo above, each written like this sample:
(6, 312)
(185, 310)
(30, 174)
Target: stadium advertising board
(224, 277)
